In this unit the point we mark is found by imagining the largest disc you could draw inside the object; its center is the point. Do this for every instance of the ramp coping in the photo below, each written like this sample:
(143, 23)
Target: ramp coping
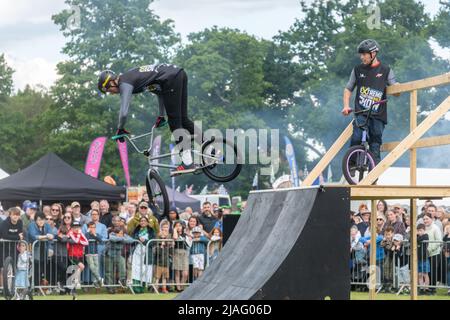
(286, 189)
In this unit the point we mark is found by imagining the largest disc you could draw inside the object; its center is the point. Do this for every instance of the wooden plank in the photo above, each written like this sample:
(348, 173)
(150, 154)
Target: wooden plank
(422, 143)
(407, 143)
(440, 80)
(359, 192)
(413, 240)
(331, 153)
(373, 252)
(413, 202)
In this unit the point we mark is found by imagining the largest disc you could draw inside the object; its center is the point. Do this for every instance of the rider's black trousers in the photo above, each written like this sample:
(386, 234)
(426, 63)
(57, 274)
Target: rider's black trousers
(375, 139)
(175, 101)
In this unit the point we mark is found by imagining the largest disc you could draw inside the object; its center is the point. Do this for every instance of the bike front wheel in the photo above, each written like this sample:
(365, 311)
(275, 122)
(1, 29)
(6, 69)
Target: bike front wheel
(221, 160)
(157, 193)
(356, 164)
(9, 278)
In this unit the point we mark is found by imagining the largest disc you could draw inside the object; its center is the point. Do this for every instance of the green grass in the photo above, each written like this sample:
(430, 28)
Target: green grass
(441, 295)
(105, 296)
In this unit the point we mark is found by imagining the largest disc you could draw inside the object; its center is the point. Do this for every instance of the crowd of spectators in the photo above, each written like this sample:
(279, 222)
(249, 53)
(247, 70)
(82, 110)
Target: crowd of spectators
(106, 246)
(393, 228)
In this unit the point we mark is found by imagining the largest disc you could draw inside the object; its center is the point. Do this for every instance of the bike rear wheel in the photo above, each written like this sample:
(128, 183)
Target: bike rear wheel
(9, 278)
(157, 193)
(356, 164)
(221, 160)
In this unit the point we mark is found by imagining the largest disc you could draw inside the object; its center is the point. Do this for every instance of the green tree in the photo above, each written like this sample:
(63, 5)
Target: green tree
(22, 134)
(6, 82)
(324, 41)
(114, 34)
(236, 82)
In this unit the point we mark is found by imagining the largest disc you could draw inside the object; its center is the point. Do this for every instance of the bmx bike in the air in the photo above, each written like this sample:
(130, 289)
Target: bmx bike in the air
(358, 161)
(214, 155)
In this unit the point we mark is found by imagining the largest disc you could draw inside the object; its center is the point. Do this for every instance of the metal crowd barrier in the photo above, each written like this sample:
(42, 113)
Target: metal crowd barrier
(396, 273)
(108, 267)
(172, 264)
(8, 248)
(132, 265)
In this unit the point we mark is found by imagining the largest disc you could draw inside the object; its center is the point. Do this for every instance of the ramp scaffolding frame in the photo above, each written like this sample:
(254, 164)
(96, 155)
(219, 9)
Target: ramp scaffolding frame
(366, 191)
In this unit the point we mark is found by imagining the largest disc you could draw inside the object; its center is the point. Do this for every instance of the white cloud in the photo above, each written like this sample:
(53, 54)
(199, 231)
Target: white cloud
(263, 18)
(35, 71)
(19, 11)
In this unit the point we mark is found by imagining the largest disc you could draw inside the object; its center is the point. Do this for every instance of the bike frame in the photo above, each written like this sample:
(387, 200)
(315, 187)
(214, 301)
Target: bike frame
(364, 127)
(151, 159)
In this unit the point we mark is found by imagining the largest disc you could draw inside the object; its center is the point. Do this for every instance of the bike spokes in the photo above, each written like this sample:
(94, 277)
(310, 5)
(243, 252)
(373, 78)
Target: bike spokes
(221, 160)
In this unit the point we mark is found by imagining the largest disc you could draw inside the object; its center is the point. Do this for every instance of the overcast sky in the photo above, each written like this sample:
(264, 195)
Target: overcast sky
(32, 43)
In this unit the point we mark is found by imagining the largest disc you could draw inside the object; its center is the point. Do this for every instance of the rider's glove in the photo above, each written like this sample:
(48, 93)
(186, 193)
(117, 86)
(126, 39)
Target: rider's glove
(120, 132)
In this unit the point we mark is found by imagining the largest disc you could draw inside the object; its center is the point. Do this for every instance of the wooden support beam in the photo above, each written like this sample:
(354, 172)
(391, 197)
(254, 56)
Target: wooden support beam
(359, 192)
(407, 143)
(331, 153)
(413, 202)
(422, 143)
(440, 80)
(373, 252)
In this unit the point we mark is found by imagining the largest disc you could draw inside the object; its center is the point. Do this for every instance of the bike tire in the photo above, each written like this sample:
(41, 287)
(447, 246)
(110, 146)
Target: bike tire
(9, 284)
(208, 169)
(345, 160)
(154, 203)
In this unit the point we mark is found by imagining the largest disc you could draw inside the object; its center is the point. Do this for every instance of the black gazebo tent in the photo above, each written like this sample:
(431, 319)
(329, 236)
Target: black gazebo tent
(50, 178)
(182, 200)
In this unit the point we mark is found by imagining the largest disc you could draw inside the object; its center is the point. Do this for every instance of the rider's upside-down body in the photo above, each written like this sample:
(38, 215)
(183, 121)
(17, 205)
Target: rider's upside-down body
(169, 83)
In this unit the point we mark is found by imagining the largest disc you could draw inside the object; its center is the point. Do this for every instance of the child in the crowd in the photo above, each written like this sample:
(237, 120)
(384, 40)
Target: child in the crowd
(198, 251)
(358, 254)
(401, 263)
(22, 282)
(142, 263)
(216, 244)
(75, 249)
(388, 266)
(114, 259)
(446, 251)
(181, 254)
(422, 257)
(91, 255)
(162, 251)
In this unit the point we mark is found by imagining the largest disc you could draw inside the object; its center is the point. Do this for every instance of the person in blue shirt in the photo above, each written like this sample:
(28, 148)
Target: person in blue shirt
(366, 241)
(198, 251)
(40, 231)
(101, 232)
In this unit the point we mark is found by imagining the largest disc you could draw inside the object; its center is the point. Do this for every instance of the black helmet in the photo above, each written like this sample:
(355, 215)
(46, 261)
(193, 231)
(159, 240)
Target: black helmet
(104, 79)
(368, 46)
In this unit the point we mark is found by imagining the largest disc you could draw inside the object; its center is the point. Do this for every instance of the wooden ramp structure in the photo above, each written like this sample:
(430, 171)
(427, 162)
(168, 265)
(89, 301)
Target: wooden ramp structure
(366, 191)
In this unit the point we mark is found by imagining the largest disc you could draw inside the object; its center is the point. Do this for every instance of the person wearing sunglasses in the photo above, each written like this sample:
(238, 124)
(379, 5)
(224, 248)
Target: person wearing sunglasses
(170, 84)
(144, 211)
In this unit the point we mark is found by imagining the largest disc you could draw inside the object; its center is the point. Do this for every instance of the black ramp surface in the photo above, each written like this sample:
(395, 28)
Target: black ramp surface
(285, 246)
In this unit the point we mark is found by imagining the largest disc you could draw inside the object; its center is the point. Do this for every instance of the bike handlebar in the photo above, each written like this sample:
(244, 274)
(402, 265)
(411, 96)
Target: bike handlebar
(371, 108)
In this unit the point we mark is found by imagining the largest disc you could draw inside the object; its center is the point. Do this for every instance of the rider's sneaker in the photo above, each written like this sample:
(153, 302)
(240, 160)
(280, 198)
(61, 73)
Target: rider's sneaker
(182, 169)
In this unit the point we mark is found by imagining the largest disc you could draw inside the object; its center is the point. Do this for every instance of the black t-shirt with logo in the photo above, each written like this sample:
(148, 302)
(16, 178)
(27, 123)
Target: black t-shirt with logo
(143, 77)
(371, 83)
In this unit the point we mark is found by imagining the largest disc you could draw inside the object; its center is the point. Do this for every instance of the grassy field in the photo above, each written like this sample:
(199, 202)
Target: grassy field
(442, 295)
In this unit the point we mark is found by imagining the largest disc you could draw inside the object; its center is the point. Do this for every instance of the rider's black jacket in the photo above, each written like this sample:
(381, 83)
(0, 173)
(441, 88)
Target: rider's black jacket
(157, 78)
